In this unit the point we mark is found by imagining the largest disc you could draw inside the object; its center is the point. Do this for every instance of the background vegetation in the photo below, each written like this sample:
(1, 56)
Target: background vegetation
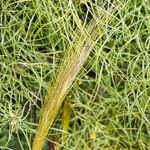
(109, 101)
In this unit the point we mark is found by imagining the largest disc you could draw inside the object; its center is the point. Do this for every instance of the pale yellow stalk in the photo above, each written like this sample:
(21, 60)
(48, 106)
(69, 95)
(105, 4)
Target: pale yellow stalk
(73, 61)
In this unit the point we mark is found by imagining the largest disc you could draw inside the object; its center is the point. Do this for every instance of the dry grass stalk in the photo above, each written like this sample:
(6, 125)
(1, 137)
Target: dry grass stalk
(73, 61)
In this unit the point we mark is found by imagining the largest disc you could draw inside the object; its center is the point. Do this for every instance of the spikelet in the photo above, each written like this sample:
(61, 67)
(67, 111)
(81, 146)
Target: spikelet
(76, 55)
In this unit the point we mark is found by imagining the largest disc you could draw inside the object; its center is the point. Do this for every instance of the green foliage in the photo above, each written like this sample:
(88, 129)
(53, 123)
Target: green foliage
(110, 95)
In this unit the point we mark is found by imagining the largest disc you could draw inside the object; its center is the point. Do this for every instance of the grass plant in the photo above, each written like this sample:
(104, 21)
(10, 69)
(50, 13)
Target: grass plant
(75, 57)
(87, 55)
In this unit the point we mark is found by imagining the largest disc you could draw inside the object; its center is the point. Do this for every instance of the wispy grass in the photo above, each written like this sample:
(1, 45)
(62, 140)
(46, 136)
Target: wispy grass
(109, 99)
(72, 62)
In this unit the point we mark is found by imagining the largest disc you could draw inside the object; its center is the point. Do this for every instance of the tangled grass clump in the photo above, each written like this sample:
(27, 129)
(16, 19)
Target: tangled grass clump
(80, 69)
